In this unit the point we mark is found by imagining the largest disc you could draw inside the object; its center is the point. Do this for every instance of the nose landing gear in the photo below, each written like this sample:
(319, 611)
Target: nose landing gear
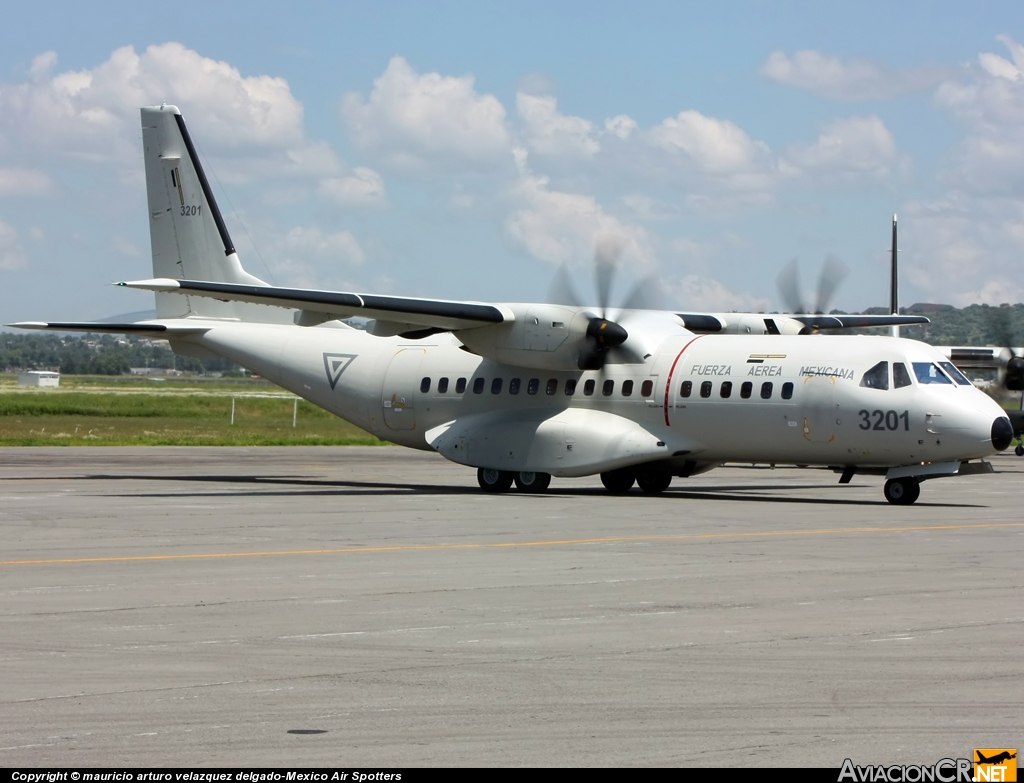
(902, 491)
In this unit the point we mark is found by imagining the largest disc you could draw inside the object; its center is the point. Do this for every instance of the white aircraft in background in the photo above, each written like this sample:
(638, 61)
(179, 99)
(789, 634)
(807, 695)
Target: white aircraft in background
(524, 392)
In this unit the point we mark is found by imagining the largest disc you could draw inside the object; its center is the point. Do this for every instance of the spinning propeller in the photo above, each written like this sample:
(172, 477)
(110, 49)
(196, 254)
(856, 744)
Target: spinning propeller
(1012, 376)
(832, 273)
(605, 340)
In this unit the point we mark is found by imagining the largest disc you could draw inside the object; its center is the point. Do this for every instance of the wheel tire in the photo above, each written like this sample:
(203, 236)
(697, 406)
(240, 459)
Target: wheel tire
(902, 492)
(653, 482)
(620, 481)
(528, 481)
(493, 480)
(1019, 451)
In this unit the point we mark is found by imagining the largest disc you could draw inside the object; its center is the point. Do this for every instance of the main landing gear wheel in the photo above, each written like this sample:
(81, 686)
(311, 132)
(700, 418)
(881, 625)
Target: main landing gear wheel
(528, 481)
(902, 492)
(493, 480)
(1019, 450)
(620, 481)
(653, 482)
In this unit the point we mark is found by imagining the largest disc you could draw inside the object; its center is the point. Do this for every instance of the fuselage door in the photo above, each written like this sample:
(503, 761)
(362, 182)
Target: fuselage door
(819, 408)
(401, 384)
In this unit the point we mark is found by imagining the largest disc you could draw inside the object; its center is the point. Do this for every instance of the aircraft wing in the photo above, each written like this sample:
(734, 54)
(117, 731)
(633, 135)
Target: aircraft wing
(140, 327)
(429, 313)
(775, 323)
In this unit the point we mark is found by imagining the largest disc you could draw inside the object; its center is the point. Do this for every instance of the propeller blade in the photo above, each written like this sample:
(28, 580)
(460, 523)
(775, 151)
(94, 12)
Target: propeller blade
(562, 290)
(832, 273)
(607, 252)
(788, 285)
(645, 295)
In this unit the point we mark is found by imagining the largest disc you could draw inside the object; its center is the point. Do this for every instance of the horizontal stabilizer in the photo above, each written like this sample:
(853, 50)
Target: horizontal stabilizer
(437, 313)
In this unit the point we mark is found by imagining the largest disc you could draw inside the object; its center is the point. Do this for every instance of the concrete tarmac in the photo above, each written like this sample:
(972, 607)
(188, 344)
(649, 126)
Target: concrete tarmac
(186, 606)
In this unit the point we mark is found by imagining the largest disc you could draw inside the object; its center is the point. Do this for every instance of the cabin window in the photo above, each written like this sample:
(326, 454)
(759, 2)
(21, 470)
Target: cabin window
(460, 386)
(726, 390)
(552, 386)
(927, 372)
(627, 388)
(513, 385)
(442, 386)
(705, 389)
(608, 388)
(533, 386)
(746, 389)
(478, 386)
(570, 387)
(877, 377)
(496, 386)
(900, 375)
(686, 389)
(647, 389)
(588, 387)
(954, 373)
(787, 390)
(425, 385)
(766, 390)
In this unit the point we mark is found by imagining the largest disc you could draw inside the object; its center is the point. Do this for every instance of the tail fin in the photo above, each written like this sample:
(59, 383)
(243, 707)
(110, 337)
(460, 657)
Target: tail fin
(189, 238)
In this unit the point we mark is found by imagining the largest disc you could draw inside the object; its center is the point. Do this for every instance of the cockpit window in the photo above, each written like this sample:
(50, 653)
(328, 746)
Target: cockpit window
(927, 372)
(877, 377)
(900, 375)
(954, 373)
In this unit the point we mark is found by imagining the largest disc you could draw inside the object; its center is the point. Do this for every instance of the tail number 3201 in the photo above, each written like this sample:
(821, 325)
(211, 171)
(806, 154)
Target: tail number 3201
(884, 420)
(191, 211)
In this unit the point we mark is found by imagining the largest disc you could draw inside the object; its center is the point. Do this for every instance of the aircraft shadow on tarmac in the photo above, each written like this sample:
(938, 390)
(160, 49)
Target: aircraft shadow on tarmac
(327, 487)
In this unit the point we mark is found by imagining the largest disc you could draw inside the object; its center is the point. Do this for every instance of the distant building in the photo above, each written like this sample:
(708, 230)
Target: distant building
(39, 378)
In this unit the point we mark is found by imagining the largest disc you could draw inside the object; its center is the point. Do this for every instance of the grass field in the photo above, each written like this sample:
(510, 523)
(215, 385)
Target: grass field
(90, 411)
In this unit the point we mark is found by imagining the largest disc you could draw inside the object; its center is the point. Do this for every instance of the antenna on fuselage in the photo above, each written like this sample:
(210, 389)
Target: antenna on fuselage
(894, 290)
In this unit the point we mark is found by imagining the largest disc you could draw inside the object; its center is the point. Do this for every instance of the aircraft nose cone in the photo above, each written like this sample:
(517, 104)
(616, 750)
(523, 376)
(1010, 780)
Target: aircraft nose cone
(1002, 433)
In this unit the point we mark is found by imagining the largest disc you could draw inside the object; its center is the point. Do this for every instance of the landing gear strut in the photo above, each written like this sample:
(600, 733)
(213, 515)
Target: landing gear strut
(902, 491)
(493, 480)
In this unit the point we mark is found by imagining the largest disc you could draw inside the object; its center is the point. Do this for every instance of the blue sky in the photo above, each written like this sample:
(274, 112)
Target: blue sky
(464, 150)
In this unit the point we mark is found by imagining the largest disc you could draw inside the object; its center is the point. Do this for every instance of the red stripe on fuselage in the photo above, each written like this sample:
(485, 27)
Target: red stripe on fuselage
(668, 383)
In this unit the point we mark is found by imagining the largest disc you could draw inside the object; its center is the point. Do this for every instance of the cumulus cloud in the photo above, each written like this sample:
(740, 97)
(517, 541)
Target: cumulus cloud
(94, 112)
(717, 150)
(990, 105)
(697, 292)
(309, 257)
(252, 126)
(852, 148)
(413, 120)
(622, 126)
(853, 80)
(962, 250)
(561, 227)
(12, 254)
(25, 182)
(363, 187)
(548, 132)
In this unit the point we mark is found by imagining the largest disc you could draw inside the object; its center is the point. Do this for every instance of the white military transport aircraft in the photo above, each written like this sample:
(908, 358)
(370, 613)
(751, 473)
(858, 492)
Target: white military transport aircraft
(524, 392)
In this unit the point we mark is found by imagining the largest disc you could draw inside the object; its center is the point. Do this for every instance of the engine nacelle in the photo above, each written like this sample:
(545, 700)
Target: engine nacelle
(557, 337)
(542, 337)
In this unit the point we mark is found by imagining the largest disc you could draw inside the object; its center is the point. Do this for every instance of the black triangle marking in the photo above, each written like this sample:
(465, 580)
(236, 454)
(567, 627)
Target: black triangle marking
(335, 364)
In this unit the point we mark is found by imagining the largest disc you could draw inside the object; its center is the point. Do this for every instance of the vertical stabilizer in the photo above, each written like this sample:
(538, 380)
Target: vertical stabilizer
(189, 238)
